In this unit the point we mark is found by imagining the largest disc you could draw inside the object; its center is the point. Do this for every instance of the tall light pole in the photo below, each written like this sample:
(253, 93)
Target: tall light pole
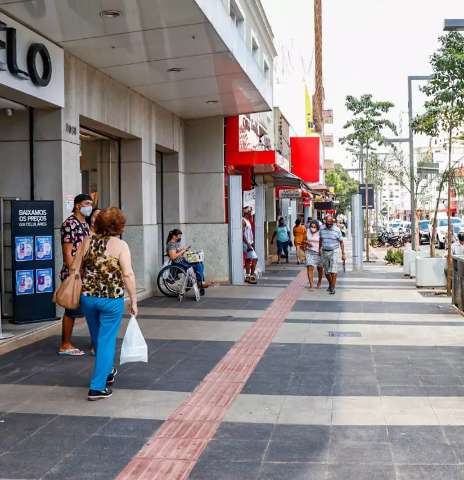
(412, 183)
(454, 25)
(410, 141)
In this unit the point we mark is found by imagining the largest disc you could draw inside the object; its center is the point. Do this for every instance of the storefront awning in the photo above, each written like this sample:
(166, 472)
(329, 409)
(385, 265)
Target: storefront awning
(278, 176)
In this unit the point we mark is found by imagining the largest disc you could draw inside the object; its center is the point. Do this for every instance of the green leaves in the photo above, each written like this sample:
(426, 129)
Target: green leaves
(445, 91)
(343, 184)
(368, 123)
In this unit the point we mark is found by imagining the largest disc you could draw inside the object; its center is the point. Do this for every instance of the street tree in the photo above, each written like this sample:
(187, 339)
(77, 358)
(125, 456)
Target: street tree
(445, 105)
(344, 186)
(366, 133)
(394, 165)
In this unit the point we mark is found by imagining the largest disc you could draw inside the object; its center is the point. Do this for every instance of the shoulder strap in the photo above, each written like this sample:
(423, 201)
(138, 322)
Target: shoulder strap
(80, 254)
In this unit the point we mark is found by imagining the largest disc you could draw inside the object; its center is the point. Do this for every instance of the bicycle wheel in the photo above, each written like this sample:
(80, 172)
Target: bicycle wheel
(171, 280)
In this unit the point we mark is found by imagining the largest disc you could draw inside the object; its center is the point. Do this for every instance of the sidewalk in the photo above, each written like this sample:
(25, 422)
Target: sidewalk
(256, 382)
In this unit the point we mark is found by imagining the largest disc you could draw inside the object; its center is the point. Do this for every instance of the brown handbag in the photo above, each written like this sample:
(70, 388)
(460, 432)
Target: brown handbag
(68, 294)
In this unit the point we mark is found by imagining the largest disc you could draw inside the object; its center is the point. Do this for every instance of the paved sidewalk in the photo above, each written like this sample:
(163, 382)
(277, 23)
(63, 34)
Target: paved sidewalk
(287, 383)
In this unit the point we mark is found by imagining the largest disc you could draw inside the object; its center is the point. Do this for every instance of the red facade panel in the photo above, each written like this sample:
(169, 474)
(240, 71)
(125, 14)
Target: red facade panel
(234, 157)
(306, 158)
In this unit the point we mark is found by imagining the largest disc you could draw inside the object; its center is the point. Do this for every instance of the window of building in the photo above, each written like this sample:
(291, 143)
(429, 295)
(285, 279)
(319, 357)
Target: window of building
(237, 16)
(266, 67)
(254, 46)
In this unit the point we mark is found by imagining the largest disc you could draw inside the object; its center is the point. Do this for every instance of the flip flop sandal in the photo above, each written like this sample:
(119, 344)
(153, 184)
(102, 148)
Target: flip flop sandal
(71, 352)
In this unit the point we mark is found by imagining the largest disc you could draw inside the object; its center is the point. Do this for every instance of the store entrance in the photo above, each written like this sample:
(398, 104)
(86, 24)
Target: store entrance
(100, 168)
(15, 183)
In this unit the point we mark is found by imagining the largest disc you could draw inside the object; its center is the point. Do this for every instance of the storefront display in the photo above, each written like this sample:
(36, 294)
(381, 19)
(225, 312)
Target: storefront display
(33, 264)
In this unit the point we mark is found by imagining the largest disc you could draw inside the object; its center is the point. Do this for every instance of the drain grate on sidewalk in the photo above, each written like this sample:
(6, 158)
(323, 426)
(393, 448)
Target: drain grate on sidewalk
(344, 334)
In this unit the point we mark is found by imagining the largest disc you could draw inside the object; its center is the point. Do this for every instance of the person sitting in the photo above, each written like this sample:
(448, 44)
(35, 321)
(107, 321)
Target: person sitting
(176, 253)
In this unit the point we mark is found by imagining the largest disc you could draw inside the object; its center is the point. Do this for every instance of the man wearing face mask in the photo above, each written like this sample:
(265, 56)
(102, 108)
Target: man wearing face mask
(73, 232)
(330, 244)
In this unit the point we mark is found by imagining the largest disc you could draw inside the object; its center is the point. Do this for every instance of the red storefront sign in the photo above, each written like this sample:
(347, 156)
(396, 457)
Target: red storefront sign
(235, 157)
(306, 158)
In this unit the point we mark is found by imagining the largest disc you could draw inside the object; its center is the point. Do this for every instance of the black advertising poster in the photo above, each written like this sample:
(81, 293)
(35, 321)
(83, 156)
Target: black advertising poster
(370, 195)
(33, 260)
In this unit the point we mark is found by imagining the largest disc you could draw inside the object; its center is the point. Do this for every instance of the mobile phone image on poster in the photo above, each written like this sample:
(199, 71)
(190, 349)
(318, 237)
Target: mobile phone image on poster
(24, 282)
(43, 248)
(24, 249)
(44, 280)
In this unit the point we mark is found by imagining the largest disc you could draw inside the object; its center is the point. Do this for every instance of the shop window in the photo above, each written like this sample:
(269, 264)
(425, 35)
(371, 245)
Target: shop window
(100, 168)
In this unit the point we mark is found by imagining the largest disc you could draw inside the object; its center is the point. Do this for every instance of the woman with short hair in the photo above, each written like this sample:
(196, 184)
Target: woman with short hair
(106, 274)
(313, 259)
(299, 238)
(283, 239)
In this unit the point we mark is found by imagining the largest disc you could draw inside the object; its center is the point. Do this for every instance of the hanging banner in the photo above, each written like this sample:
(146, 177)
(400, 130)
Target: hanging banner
(33, 263)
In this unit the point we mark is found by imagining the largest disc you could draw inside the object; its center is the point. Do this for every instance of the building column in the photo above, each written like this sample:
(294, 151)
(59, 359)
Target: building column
(204, 194)
(260, 216)
(235, 230)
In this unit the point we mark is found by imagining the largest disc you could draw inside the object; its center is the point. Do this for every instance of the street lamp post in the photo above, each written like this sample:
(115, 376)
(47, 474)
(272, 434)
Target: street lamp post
(410, 140)
(454, 25)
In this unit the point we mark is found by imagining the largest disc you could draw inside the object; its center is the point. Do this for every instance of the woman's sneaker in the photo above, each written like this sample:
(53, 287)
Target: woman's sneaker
(111, 376)
(99, 395)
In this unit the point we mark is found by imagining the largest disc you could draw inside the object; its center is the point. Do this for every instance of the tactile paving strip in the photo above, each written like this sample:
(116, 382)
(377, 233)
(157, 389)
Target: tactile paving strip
(173, 451)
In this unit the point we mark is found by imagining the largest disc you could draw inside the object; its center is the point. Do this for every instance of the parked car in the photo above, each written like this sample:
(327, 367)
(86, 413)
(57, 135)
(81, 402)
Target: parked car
(442, 230)
(424, 231)
(394, 227)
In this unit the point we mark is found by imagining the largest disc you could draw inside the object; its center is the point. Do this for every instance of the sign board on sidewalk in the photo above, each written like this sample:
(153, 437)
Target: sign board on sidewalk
(370, 195)
(32, 260)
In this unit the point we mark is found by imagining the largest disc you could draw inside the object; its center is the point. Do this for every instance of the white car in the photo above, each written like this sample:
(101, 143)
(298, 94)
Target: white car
(442, 230)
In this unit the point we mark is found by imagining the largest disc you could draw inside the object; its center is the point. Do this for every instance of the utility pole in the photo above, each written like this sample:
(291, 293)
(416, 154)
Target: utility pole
(366, 195)
(412, 170)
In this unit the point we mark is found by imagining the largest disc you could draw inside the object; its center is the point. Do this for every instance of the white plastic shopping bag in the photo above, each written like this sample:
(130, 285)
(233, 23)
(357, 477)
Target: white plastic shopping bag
(134, 347)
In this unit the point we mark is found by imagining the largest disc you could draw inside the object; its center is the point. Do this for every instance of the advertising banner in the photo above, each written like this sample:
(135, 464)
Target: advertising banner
(33, 260)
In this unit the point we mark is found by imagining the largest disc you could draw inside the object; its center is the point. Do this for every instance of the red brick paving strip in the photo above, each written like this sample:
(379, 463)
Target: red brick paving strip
(174, 449)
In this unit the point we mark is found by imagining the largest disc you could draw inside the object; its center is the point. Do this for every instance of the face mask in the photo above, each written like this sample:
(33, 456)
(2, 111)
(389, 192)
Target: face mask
(313, 229)
(86, 211)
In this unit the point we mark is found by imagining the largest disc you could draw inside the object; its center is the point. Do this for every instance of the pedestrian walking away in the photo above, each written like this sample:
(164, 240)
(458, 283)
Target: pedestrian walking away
(299, 238)
(73, 232)
(313, 258)
(251, 257)
(330, 244)
(283, 240)
(106, 273)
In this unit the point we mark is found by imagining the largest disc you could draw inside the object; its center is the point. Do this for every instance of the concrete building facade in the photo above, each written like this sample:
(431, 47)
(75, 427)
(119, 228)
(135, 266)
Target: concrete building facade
(140, 122)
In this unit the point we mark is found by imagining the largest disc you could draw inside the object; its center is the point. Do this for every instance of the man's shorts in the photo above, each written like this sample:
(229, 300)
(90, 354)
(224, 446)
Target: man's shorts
(330, 260)
(74, 313)
(249, 254)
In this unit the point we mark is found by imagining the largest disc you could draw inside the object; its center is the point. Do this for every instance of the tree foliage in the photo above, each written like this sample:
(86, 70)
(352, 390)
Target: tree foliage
(344, 186)
(444, 108)
(368, 122)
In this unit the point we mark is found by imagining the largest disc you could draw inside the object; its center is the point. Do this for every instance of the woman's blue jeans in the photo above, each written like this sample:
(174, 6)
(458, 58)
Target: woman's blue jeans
(103, 317)
(199, 269)
(282, 248)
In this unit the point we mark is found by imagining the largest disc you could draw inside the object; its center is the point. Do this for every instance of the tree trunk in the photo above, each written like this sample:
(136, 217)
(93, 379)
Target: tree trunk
(435, 214)
(450, 230)
(367, 206)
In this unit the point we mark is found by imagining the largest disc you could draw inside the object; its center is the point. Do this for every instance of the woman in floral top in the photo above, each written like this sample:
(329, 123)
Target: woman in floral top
(106, 273)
